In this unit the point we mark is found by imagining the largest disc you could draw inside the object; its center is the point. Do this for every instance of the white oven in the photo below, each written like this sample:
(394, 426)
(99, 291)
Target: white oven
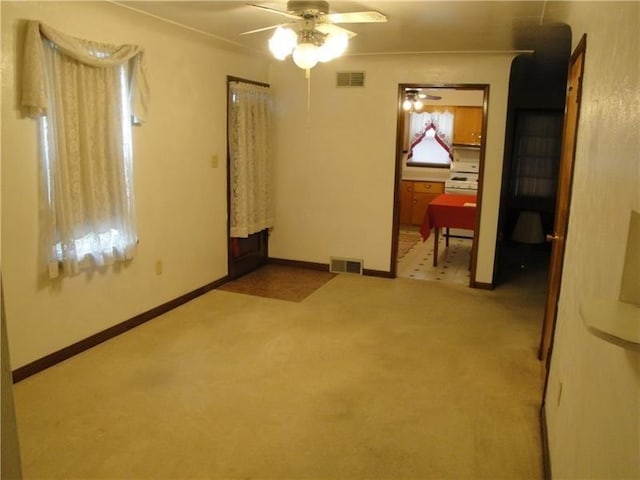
(463, 178)
(463, 175)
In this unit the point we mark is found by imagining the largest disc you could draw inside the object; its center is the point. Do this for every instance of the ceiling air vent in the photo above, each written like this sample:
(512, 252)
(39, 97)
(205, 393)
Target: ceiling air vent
(345, 265)
(350, 79)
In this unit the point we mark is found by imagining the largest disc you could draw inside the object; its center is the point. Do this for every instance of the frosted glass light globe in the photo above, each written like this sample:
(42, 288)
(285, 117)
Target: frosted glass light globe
(417, 105)
(305, 55)
(334, 45)
(406, 105)
(282, 42)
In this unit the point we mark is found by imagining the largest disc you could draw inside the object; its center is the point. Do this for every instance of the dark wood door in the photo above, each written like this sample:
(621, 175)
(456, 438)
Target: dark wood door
(565, 180)
(246, 254)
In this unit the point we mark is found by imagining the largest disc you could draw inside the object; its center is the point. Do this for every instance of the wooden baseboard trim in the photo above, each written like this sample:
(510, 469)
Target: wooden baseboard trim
(377, 273)
(546, 454)
(56, 357)
(483, 286)
(323, 267)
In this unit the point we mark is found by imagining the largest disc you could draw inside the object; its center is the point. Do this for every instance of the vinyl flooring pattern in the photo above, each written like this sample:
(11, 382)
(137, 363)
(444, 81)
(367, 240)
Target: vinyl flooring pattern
(453, 261)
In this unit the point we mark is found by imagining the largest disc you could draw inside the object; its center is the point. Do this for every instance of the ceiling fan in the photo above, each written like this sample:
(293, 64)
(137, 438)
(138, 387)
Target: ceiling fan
(315, 35)
(417, 94)
(413, 99)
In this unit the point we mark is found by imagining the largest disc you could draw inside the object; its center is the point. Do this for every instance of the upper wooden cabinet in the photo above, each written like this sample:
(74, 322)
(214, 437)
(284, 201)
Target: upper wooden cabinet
(467, 127)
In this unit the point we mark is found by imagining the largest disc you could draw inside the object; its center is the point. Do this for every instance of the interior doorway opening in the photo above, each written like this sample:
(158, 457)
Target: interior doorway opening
(450, 120)
(533, 138)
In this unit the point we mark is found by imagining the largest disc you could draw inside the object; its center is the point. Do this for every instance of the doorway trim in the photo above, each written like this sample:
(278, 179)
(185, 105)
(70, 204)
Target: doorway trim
(563, 202)
(563, 210)
(395, 230)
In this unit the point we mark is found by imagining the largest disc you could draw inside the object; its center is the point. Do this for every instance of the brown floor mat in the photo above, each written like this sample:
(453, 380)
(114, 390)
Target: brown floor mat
(281, 282)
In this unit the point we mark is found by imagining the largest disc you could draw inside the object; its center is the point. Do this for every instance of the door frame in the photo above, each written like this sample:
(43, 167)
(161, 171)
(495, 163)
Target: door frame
(563, 204)
(395, 230)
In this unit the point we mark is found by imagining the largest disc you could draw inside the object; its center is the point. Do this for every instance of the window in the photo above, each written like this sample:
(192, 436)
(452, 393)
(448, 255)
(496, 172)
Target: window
(430, 136)
(82, 93)
(429, 149)
(536, 156)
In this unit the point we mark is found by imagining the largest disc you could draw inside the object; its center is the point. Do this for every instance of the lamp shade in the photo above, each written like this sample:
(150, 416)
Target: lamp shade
(528, 228)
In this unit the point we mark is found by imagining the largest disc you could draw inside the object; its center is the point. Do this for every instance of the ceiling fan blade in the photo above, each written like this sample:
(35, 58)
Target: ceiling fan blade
(265, 28)
(273, 10)
(328, 28)
(357, 17)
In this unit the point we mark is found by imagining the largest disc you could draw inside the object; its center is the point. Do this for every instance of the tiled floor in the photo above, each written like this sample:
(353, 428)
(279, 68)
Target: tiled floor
(453, 262)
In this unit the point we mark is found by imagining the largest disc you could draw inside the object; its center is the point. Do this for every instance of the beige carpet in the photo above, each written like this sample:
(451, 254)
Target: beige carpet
(365, 378)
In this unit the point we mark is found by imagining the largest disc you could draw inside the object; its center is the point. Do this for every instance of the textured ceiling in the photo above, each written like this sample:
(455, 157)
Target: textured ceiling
(413, 26)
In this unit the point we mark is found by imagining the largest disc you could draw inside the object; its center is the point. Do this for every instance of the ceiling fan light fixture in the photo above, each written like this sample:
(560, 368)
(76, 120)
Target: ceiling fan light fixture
(282, 42)
(305, 55)
(334, 45)
(412, 102)
(318, 37)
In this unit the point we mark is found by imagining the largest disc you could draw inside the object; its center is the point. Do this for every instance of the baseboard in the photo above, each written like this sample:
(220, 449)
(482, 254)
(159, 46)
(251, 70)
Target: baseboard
(56, 357)
(482, 286)
(377, 273)
(325, 267)
(546, 454)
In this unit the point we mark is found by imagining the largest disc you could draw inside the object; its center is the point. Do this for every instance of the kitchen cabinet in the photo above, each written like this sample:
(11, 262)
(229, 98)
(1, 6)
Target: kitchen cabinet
(415, 197)
(467, 126)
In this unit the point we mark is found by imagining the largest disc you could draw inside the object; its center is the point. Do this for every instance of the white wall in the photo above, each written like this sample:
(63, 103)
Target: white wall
(10, 466)
(594, 430)
(180, 198)
(336, 163)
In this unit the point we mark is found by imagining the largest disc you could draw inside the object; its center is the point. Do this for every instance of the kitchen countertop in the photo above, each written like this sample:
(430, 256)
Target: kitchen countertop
(426, 176)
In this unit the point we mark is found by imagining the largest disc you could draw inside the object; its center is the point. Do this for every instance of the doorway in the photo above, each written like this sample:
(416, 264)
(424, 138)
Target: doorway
(249, 213)
(533, 136)
(565, 181)
(447, 127)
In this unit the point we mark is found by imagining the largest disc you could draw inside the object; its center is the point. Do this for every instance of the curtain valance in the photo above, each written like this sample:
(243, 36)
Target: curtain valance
(34, 93)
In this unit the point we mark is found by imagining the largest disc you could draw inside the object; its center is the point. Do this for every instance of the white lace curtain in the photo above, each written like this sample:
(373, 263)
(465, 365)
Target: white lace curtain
(85, 95)
(250, 168)
(443, 121)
